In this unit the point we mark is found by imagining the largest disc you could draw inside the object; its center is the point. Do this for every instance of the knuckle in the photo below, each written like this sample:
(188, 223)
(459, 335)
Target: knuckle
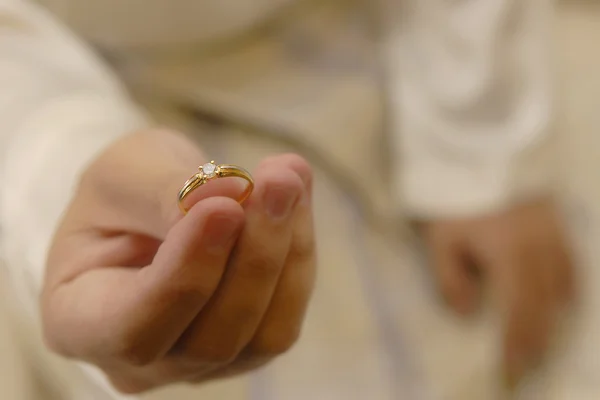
(135, 356)
(246, 315)
(218, 355)
(262, 267)
(128, 348)
(190, 294)
(275, 343)
(302, 250)
(189, 291)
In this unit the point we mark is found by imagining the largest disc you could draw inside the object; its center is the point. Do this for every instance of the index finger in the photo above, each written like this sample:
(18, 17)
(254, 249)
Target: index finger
(136, 315)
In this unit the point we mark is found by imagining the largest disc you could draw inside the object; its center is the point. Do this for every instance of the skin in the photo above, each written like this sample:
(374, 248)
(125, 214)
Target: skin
(152, 297)
(523, 255)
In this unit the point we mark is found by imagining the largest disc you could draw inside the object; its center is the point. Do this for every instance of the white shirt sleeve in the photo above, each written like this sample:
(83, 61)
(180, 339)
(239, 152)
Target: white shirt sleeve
(472, 103)
(59, 107)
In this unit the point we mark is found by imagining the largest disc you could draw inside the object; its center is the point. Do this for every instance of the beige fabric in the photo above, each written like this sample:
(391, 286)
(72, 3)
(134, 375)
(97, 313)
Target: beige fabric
(348, 350)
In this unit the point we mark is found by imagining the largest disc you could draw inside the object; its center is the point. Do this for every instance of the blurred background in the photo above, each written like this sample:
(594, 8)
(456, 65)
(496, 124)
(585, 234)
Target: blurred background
(577, 37)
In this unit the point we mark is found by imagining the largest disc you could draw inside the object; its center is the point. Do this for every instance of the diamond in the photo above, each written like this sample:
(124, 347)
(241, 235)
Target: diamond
(209, 170)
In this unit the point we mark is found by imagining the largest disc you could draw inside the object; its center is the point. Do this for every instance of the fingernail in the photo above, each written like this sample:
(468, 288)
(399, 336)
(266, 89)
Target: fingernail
(279, 202)
(220, 234)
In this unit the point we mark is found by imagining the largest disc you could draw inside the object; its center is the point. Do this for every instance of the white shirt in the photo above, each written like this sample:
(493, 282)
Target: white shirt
(469, 89)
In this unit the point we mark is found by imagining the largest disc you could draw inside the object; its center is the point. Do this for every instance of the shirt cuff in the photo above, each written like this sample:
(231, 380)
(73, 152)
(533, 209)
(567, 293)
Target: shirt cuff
(433, 186)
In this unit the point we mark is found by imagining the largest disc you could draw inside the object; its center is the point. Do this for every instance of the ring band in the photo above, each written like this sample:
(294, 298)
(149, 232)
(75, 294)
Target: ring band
(211, 171)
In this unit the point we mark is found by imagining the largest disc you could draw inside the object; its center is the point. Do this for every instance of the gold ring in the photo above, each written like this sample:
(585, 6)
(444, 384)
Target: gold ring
(211, 171)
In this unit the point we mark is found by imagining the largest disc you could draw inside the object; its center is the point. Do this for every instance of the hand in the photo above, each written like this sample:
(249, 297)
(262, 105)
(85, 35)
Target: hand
(524, 254)
(152, 297)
